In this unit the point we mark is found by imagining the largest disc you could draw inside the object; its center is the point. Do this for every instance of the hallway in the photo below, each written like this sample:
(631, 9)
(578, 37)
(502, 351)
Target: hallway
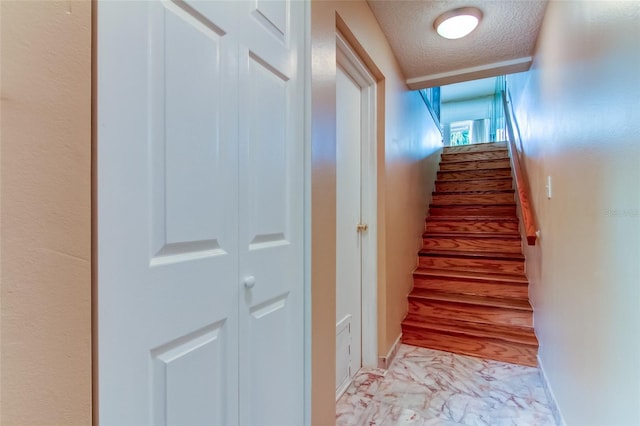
(428, 387)
(212, 164)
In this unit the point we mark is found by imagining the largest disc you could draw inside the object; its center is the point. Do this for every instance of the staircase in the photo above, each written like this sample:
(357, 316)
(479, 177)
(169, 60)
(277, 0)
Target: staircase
(470, 293)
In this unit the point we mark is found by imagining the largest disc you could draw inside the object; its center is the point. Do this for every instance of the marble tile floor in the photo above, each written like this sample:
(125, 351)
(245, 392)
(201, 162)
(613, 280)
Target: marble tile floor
(425, 387)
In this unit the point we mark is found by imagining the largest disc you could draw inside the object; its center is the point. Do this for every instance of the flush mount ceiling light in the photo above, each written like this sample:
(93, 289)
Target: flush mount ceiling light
(457, 23)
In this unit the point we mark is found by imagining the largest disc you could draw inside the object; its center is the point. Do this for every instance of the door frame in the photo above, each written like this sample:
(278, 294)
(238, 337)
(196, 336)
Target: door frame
(352, 64)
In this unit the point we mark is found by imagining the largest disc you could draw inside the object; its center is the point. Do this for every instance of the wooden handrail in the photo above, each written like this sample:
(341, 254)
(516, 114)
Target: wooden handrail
(522, 185)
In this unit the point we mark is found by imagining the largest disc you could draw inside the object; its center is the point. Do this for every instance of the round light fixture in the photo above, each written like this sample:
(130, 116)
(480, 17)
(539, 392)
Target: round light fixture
(457, 23)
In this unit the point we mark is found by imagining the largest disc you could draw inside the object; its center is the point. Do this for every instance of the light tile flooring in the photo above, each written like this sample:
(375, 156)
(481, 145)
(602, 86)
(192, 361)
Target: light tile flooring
(428, 387)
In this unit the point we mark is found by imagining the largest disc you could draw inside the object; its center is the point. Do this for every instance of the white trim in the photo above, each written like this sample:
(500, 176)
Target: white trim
(307, 325)
(342, 388)
(481, 71)
(553, 403)
(348, 60)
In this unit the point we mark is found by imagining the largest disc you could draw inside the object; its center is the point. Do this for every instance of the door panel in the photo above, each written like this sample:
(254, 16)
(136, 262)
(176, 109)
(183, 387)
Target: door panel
(348, 207)
(200, 153)
(188, 379)
(185, 110)
(273, 16)
(265, 119)
(271, 158)
(167, 227)
(343, 361)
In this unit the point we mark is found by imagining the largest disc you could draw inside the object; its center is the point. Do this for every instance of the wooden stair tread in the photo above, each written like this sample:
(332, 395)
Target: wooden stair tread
(464, 299)
(493, 149)
(503, 143)
(483, 347)
(478, 179)
(471, 275)
(473, 210)
(483, 170)
(473, 185)
(450, 159)
(499, 153)
(472, 235)
(474, 205)
(507, 289)
(444, 218)
(469, 175)
(475, 147)
(474, 166)
(485, 160)
(478, 192)
(454, 211)
(450, 175)
(522, 335)
(471, 255)
(489, 163)
(449, 224)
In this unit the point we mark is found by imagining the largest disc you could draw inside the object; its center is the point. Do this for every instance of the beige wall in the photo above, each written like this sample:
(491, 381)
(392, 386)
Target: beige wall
(45, 204)
(579, 113)
(45, 213)
(407, 153)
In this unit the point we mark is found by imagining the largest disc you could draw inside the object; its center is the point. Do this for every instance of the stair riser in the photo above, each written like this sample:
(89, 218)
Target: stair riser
(473, 288)
(474, 174)
(474, 185)
(492, 245)
(475, 156)
(507, 333)
(488, 199)
(500, 351)
(467, 226)
(483, 265)
(474, 148)
(475, 165)
(472, 313)
(453, 210)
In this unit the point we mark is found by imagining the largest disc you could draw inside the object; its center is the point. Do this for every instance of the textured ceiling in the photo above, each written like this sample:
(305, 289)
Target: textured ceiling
(503, 42)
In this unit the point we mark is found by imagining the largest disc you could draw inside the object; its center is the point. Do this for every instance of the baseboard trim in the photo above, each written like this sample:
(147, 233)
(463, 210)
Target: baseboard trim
(342, 389)
(557, 415)
(385, 361)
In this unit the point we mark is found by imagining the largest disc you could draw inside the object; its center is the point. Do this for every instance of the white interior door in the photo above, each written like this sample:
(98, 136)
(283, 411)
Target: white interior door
(348, 239)
(271, 213)
(200, 174)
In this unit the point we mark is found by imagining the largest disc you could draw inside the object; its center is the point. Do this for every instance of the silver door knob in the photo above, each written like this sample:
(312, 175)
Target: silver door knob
(249, 282)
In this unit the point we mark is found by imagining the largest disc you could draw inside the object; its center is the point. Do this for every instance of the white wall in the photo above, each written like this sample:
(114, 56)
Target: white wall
(470, 109)
(579, 113)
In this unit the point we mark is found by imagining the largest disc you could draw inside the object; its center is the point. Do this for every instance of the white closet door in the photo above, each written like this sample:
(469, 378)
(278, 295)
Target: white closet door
(199, 188)
(348, 216)
(271, 212)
